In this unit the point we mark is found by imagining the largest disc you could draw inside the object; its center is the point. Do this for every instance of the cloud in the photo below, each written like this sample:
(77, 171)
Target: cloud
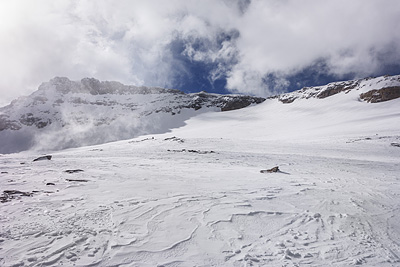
(286, 36)
(154, 42)
(42, 40)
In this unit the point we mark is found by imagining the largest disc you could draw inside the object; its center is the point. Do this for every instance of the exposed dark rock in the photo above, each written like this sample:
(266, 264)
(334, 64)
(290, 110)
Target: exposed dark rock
(317, 92)
(48, 157)
(381, 95)
(335, 89)
(16, 192)
(291, 254)
(50, 184)
(226, 103)
(176, 150)
(96, 87)
(274, 169)
(29, 119)
(6, 123)
(146, 139)
(8, 195)
(4, 172)
(200, 152)
(376, 137)
(176, 139)
(77, 180)
(389, 91)
(192, 151)
(78, 100)
(317, 215)
(74, 171)
(96, 149)
(241, 102)
(287, 100)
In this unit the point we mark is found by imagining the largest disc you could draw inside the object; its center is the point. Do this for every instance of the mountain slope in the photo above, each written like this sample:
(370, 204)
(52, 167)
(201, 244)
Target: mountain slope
(372, 90)
(307, 117)
(64, 113)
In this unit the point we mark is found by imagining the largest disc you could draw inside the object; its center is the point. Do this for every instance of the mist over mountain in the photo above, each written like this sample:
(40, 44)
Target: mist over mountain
(64, 113)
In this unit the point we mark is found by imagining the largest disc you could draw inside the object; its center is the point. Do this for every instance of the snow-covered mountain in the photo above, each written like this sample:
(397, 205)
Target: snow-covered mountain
(202, 195)
(372, 90)
(64, 113)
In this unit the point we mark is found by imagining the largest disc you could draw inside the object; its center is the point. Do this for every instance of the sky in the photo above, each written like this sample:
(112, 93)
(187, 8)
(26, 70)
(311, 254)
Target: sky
(256, 47)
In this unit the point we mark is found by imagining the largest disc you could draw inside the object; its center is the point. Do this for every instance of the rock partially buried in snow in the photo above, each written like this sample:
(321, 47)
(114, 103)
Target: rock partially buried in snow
(289, 253)
(274, 169)
(48, 157)
(77, 180)
(318, 217)
(74, 171)
(8, 195)
(192, 151)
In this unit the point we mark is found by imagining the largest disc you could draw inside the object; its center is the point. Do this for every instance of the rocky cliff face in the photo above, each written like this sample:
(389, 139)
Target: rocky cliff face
(372, 90)
(381, 95)
(64, 113)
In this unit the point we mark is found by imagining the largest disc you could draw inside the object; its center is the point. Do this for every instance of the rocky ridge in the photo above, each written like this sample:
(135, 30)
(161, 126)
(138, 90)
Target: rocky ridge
(371, 90)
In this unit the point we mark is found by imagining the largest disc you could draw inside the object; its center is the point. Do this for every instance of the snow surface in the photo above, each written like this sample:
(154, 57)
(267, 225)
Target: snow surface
(199, 199)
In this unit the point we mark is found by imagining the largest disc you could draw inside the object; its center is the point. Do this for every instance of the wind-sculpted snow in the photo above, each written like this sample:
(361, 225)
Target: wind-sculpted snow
(139, 203)
(64, 113)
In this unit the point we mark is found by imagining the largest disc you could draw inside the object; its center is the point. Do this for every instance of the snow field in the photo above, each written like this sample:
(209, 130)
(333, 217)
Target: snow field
(199, 199)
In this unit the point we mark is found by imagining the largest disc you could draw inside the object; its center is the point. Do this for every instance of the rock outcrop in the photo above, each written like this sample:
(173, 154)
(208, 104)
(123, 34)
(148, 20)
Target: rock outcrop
(381, 95)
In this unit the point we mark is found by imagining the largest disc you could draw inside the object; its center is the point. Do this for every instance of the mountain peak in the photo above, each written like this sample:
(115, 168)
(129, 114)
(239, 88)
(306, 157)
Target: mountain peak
(65, 113)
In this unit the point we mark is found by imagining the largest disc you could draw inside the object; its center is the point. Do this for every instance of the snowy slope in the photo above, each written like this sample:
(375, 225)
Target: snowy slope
(196, 197)
(306, 119)
(373, 90)
(64, 113)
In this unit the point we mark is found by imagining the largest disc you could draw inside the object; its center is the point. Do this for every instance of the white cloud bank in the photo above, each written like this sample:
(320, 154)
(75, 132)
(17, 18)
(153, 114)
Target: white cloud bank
(132, 41)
